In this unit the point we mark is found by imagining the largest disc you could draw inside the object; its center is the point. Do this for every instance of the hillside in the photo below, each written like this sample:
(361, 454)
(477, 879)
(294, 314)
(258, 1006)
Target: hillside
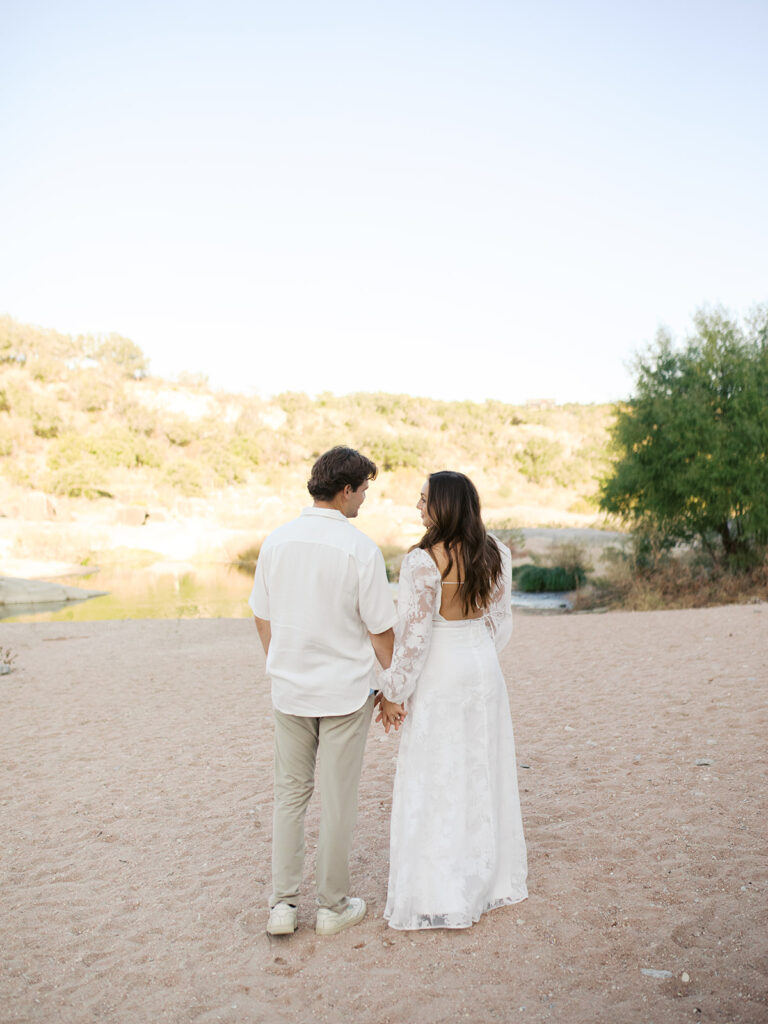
(83, 423)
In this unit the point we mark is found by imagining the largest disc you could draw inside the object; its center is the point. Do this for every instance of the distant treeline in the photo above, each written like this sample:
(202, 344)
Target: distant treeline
(81, 416)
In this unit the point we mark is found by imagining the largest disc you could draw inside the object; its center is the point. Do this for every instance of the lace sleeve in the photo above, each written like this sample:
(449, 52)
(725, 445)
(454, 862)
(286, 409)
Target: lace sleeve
(418, 591)
(498, 617)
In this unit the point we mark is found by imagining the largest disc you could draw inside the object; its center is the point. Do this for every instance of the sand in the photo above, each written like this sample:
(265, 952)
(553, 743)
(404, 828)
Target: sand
(136, 807)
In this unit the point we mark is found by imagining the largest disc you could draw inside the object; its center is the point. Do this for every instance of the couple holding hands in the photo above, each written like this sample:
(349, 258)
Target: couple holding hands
(324, 614)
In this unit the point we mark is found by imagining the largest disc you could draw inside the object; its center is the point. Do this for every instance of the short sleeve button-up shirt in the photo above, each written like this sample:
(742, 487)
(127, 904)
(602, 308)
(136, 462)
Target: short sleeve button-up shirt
(322, 586)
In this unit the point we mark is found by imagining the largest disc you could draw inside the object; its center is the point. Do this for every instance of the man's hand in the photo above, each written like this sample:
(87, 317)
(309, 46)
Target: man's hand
(390, 715)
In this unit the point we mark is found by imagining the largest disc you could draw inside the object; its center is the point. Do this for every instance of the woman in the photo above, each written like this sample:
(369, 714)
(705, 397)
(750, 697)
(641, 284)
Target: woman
(456, 844)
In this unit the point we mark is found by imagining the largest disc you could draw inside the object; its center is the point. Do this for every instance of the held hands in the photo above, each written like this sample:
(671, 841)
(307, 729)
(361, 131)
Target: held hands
(390, 714)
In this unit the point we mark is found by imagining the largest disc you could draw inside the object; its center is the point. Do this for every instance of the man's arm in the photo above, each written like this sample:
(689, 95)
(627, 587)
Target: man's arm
(383, 644)
(265, 633)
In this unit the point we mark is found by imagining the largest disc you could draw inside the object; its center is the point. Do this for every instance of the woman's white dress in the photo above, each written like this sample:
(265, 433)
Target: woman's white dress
(456, 844)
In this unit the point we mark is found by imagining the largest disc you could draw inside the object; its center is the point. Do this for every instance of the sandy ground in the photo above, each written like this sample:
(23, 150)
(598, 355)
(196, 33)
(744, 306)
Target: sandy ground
(136, 805)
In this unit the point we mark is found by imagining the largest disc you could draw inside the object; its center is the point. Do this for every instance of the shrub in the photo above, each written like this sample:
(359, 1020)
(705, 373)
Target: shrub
(294, 402)
(675, 582)
(539, 459)
(246, 560)
(184, 476)
(247, 449)
(93, 393)
(569, 555)
(45, 370)
(112, 449)
(583, 506)
(225, 466)
(536, 579)
(403, 452)
(139, 419)
(179, 430)
(79, 481)
(46, 421)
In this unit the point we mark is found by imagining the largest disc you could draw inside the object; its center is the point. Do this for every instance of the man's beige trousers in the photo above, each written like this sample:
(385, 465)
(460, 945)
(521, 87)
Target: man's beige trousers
(338, 742)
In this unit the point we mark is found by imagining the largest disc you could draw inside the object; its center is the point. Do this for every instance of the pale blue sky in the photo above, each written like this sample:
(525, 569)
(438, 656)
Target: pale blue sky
(464, 200)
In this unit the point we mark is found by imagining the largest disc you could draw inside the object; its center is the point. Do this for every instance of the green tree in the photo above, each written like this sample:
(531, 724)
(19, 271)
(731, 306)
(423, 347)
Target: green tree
(120, 352)
(692, 442)
(22, 343)
(538, 459)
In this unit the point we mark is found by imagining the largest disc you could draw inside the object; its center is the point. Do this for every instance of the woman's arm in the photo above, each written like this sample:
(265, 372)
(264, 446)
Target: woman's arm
(498, 617)
(418, 592)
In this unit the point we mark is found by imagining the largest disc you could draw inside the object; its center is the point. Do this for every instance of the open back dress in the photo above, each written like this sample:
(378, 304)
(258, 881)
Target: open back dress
(457, 847)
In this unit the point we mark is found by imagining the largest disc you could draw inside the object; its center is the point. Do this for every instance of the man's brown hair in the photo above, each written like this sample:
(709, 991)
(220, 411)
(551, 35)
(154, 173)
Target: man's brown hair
(337, 468)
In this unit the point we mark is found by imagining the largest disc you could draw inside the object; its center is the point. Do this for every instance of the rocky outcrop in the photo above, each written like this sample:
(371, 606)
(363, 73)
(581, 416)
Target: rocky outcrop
(15, 591)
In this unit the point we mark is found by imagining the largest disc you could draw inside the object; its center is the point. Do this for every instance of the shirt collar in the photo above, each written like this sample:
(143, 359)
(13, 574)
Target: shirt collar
(327, 513)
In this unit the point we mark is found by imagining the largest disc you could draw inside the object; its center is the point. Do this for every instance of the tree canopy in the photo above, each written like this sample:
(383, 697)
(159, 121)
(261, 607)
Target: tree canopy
(691, 444)
(27, 345)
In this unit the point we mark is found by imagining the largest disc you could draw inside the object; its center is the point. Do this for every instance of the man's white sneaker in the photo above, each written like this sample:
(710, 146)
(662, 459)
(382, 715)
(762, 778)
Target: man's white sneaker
(283, 919)
(330, 921)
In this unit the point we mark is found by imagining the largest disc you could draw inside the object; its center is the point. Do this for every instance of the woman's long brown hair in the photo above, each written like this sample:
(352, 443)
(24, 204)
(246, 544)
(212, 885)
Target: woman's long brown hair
(453, 507)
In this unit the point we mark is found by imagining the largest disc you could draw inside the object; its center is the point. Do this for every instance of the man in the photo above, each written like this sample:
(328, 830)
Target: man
(323, 611)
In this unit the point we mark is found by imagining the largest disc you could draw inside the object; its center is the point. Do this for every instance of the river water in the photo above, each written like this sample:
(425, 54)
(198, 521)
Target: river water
(168, 591)
(182, 591)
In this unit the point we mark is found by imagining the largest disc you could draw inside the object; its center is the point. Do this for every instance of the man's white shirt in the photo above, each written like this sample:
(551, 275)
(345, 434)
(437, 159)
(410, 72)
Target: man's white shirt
(322, 585)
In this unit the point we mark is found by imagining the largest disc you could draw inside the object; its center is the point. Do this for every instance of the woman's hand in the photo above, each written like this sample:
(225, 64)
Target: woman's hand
(390, 714)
